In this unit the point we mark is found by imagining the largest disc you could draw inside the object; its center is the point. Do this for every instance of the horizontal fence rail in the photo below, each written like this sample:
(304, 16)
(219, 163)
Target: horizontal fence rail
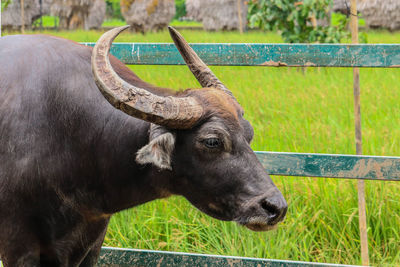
(276, 55)
(333, 166)
(150, 258)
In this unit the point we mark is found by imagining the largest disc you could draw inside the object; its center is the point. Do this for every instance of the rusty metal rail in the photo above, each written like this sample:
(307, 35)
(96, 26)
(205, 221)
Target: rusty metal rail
(331, 165)
(151, 258)
(275, 55)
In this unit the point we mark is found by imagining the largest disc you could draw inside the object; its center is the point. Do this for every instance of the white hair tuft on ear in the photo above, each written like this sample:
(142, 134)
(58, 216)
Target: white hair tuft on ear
(158, 152)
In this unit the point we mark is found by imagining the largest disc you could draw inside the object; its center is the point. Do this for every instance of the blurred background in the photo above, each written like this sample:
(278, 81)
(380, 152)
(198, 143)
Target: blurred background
(210, 15)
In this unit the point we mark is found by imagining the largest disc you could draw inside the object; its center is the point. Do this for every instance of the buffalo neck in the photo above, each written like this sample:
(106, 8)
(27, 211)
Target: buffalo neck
(120, 182)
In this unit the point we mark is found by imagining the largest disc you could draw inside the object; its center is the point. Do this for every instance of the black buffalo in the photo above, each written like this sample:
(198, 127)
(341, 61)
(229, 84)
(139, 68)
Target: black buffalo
(69, 159)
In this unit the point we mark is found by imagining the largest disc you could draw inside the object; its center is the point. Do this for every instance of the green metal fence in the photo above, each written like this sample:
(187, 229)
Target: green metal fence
(275, 163)
(275, 55)
(150, 258)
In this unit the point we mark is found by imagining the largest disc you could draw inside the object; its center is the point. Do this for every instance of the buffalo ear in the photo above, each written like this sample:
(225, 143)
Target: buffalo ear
(159, 150)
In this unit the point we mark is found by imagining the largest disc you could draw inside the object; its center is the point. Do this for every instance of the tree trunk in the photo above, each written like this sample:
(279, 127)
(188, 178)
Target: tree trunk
(73, 14)
(148, 15)
(22, 16)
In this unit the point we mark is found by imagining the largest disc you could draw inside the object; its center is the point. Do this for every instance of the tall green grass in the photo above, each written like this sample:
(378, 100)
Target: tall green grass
(290, 111)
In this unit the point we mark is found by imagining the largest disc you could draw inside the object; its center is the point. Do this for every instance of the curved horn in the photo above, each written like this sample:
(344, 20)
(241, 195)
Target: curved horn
(199, 69)
(172, 112)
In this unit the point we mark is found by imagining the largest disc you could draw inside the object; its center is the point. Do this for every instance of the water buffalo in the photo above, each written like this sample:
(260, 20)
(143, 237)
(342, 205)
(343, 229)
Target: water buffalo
(69, 159)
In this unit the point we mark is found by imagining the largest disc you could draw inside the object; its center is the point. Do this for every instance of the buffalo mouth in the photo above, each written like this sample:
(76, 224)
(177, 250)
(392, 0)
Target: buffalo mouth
(263, 213)
(258, 224)
(259, 214)
(260, 227)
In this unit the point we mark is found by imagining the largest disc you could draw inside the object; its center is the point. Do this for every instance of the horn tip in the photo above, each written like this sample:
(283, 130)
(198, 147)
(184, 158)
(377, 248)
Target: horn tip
(173, 31)
(122, 28)
(118, 30)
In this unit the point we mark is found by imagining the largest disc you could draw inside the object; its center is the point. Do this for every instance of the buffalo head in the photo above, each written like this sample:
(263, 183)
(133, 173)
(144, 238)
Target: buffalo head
(199, 138)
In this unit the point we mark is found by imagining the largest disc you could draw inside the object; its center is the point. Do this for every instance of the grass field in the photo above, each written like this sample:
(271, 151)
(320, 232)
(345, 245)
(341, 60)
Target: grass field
(290, 111)
(51, 21)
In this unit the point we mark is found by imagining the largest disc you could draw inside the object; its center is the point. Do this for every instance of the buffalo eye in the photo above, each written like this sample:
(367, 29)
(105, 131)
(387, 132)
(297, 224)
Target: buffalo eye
(212, 142)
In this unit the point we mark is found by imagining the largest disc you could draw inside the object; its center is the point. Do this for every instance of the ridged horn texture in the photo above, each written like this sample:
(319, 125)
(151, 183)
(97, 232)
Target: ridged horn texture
(199, 69)
(171, 111)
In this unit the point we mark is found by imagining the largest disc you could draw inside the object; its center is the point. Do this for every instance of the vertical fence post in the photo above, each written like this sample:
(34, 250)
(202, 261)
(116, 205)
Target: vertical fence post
(357, 121)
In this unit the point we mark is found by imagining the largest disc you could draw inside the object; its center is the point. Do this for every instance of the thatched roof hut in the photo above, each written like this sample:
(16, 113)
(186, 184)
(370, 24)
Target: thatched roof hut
(381, 13)
(148, 15)
(193, 10)
(218, 14)
(97, 13)
(11, 16)
(341, 6)
(377, 13)
(72, 13)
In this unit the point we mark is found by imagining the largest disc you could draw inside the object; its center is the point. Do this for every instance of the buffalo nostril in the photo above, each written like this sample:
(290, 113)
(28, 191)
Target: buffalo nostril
(276, 207)
(269, 207)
